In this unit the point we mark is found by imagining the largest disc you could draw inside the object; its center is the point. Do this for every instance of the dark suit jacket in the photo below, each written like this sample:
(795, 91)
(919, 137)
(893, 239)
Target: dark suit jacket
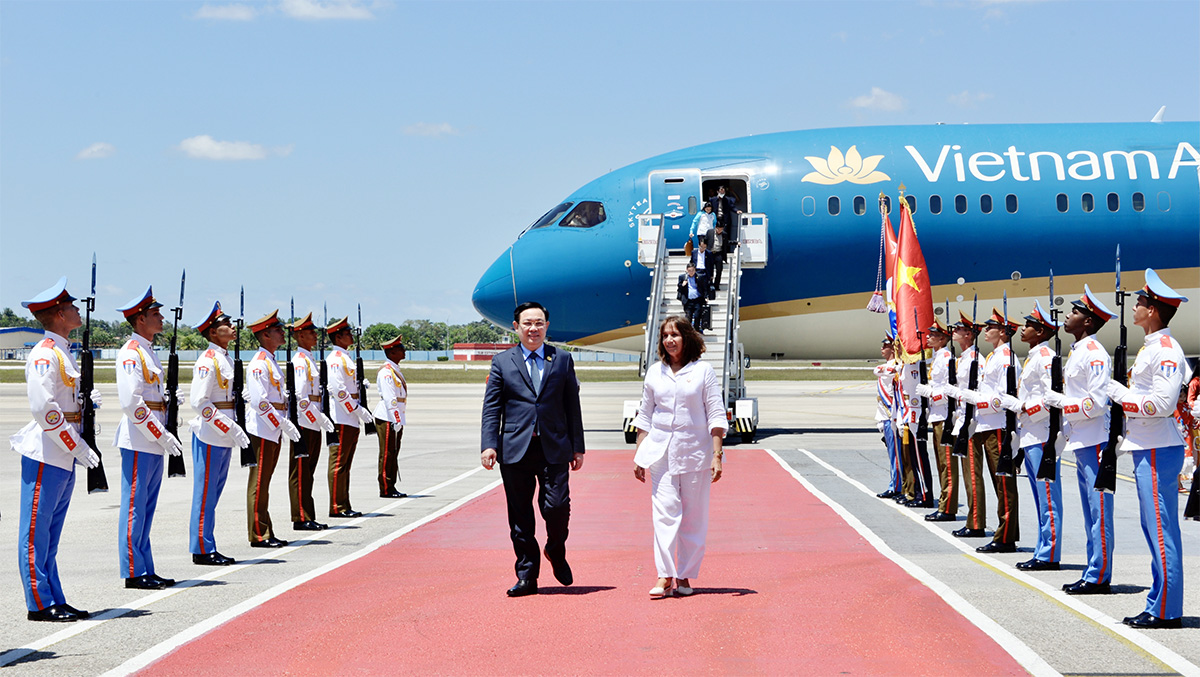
(681, 291)
(726, 244)
(730, 211)
(510, 407)
(708, 260)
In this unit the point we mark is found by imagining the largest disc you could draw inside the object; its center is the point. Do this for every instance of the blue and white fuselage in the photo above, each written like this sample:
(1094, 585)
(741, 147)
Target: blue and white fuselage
(998, 206)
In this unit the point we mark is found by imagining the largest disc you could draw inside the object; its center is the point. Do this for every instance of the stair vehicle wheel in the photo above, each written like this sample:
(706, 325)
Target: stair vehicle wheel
(748, 438)
(630, 437)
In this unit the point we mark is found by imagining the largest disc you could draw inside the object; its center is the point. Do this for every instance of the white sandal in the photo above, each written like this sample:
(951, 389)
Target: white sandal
(659, 591)
(683, 590)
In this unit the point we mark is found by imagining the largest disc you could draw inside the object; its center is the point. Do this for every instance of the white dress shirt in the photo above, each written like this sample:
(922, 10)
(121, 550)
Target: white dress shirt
(1153, 393)
(679, 411)
(1085, 400)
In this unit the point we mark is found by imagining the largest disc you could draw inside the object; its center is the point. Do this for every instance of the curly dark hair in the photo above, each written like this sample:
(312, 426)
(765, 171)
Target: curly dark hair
(693, 343)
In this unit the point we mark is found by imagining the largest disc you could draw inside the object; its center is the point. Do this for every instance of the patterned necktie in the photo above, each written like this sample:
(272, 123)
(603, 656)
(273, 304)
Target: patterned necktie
(535, 374)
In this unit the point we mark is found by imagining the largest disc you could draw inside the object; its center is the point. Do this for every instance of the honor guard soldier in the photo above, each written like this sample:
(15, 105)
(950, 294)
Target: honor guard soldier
(964, 333)
(1157, 446)
(389, 417)
(347, 414)
(313, 422)
(989, 431)
(908, 418)
(1084, 404)
(1033, 428)
(268, 424)
(143, 440)
(214, 434)
(50, 445)
(885, 414)
(939, 406)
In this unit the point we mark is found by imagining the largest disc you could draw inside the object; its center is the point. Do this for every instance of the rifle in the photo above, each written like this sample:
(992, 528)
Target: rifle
(249, 458)
(1106, 476)
(369, 426)
(175, 467)
(292, 413)
(1049, 465)
(96, 481)
(330, 438)
(923, 419)
(951, 403)
(1007, 465)
(964, 432)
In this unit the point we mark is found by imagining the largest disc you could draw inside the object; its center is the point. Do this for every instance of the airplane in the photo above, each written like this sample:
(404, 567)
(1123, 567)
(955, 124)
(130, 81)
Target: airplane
(996, 208)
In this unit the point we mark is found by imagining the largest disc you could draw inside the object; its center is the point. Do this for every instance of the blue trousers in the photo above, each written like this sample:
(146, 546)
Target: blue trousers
(1157, 473)
(211, 465)
(1047, 496)
(45, 496)
(141, 476)
(889, 439)
(1097, 516)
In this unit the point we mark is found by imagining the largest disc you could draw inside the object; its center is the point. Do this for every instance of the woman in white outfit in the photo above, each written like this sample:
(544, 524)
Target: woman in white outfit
(681, 425)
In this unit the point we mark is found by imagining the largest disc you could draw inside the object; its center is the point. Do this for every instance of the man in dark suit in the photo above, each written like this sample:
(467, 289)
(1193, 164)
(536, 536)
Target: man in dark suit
(724, 205)
(692, 290)
(533, 425)
(718, 246)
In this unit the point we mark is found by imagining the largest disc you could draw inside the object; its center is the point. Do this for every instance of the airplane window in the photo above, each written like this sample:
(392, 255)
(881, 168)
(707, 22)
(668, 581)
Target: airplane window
(586, 215)
(692, 204)
(808, 205)
(935, 204)
(1087, 202)
(985, 204)
(1010, 203)
(960, 204)
(835, 206)
(1063, 202)
(551, 216)
(1139, 202)
(860, 205)
(912, 204)
(1164, 201)
(1114, 202)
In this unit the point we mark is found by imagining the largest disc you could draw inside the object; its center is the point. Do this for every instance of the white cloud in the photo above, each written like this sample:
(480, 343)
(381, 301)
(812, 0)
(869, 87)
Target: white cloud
(325, 9)
(97, 151)
(879, 99)
(968, 99)
(226, 12)
(431, 129)
(204, 147)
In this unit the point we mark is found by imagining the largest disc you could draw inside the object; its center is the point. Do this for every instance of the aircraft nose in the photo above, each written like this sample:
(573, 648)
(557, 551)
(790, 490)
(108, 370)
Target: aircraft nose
(494, 296)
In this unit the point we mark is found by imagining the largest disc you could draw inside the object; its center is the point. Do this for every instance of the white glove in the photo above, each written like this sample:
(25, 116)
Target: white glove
(924, 390)
(1196, 408)
(1010, 403)
(324, 421)
(240, 438)
(96, 403)
(170, 444)
(364, 415)
(366, 382)
(88, 457)
(951, 391)
(290, 430)
(1116, 391)
(970, 396)
(1053, 399)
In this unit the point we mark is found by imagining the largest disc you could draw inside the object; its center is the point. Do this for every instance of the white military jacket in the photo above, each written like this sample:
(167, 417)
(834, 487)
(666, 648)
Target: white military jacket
(1085, 398)
(1154, 387)
(393, 395)
(962, 374)
(212, 397)
(939, 378)
(52, 381)
(266, 397)
(343, 388)
(908, 402)
(993, 381)
(885, 391)
(141, 390)
(1033, 421)
(308, 389)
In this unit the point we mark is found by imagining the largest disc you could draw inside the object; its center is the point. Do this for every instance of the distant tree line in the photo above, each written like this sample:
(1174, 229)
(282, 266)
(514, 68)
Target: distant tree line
(418, 334)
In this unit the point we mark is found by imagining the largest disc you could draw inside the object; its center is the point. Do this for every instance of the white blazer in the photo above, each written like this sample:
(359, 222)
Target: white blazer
(679, 411)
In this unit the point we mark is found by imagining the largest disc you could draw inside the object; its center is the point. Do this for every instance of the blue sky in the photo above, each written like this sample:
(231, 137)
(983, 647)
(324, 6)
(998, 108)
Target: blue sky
(385, 153)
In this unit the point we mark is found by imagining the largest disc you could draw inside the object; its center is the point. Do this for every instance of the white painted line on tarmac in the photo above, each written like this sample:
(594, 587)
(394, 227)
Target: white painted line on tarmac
(80, 627)
(1025, 656)
(1139, 639)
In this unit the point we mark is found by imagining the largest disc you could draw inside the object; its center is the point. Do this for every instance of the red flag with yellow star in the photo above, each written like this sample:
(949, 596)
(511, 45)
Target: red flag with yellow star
(911, 290)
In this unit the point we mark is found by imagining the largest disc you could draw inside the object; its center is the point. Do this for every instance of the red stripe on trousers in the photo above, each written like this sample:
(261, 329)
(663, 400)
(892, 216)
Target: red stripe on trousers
(33, 580)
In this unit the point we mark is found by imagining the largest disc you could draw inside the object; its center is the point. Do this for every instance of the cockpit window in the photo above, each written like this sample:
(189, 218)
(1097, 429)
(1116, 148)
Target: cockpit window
(586, 215)
(551, 216)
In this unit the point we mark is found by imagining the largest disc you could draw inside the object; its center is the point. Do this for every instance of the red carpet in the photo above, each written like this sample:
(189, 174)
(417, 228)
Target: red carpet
(786, 588)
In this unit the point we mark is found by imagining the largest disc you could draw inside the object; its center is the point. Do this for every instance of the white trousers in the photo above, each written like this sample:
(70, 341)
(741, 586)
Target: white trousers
(679, 507)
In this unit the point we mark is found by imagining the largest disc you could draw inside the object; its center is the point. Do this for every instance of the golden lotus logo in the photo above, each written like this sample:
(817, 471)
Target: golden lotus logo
(850, 167)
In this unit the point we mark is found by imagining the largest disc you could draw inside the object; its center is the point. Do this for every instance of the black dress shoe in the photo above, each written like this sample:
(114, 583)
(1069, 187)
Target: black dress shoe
(966, 532)
(308, 525)
(78, 612)
(212, 559)
(996, 546)
(940, 516)
(1147, 621)
(346, 514)
(146, 583)
(902, 499)
(271, 542)
(1082, 587)
(886, 494)
(393, 494)
(1037, 565)
(918, 503)
(562, 570)
(166, 582)
(523, 588)
(59, 613)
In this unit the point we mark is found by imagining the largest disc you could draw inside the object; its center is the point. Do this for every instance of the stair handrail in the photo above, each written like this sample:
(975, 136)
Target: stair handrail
(654, 312)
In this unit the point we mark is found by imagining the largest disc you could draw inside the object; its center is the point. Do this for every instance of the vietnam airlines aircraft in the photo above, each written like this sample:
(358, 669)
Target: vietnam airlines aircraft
(997, 207)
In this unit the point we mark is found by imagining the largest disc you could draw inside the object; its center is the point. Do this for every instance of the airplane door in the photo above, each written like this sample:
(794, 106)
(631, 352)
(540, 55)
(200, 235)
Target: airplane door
(675, 194)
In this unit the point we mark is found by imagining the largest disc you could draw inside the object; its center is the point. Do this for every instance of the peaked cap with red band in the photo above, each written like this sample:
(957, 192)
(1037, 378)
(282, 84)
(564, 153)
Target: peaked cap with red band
(266, 322)
(140, 303)
(1092, 306)
(213, 318)
(1159, 291)
(56, 294)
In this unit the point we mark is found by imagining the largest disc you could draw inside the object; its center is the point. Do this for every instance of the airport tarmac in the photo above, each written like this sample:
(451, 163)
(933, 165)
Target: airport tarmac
(823, 431)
